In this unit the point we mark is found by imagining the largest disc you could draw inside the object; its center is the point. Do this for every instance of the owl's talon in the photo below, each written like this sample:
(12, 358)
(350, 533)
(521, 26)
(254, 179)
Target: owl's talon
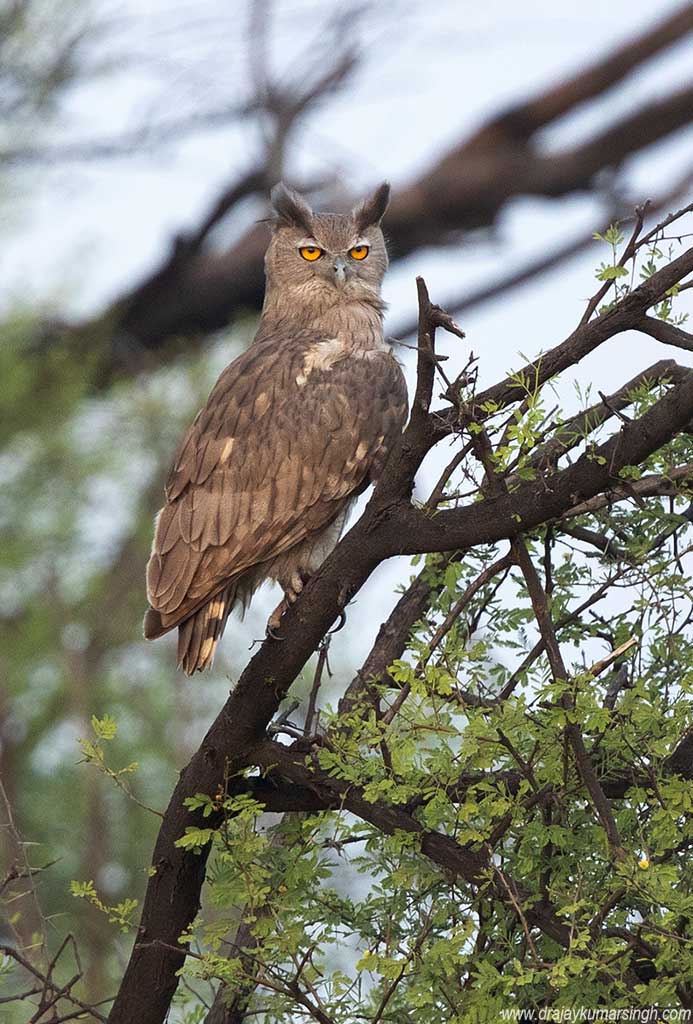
(341, 623)
(272, 627)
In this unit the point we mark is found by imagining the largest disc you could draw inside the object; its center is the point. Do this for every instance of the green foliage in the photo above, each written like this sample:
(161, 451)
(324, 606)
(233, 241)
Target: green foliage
(616, 270)
(613, 271)
(105, 729)
(120, 914)
(349, 916)
(195, 839)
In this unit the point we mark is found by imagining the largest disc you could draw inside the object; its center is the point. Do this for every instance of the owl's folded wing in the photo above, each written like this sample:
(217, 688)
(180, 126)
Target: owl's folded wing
(285, 438)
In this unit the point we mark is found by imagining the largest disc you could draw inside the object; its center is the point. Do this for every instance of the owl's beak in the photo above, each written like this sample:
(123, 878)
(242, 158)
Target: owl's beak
(340, 271)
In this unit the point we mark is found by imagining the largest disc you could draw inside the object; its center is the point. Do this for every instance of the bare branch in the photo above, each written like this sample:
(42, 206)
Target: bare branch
(669, 334)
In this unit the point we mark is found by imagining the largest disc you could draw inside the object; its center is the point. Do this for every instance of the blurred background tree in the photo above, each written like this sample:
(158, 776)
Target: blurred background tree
(136, 151)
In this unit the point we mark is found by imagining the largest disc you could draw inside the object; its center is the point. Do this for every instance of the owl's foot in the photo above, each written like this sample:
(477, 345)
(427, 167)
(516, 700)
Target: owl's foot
(295, 586)
(292, 589)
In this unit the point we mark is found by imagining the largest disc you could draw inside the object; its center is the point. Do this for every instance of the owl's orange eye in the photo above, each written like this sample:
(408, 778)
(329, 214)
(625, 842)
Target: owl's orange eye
(310, 253)
(359, 252)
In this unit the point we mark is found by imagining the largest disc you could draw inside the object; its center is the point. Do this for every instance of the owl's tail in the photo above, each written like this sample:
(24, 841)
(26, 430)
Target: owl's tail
(200, 632)
(199, 635)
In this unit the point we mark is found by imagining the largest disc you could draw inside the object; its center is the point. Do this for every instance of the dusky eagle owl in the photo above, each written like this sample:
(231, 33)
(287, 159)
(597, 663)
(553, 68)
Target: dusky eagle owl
(294, 429)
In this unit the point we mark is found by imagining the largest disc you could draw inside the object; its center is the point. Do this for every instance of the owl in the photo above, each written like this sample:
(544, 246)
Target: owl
(293, 431)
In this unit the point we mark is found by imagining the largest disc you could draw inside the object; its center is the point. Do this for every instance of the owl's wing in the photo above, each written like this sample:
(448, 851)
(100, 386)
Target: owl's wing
(291, 429)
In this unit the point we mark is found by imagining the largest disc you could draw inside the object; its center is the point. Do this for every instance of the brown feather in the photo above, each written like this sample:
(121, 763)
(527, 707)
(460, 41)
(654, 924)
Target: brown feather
(265, 520)
(293, 430)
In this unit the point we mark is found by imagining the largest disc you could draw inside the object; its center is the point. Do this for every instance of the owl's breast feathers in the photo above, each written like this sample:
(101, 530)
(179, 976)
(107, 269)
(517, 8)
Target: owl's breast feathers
(292, 429)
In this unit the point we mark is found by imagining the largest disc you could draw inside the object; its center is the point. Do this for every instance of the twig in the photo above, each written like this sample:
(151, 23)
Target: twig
(48, 983)
(598, 667)
(317, 680)
(441, 632)
(626, 255)
(560, 673)
(518, 910)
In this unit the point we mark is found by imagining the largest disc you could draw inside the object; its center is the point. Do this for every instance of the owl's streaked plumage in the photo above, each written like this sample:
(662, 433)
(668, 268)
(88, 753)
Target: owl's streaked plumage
(293, 431)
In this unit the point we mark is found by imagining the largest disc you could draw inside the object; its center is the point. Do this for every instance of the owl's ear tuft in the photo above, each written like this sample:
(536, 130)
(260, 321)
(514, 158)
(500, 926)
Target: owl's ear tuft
(372, 210)
(291, 208)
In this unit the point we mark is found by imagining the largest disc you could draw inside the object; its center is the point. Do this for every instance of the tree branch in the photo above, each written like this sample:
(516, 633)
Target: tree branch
(389, 525)
(668, 334)
(471, 865)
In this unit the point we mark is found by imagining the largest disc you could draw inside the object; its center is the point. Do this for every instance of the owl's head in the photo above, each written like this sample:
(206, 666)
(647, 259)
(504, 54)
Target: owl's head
(345, 252)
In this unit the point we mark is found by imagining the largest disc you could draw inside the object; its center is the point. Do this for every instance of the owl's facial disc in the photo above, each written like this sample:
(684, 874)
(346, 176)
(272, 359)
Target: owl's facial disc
(339, 256)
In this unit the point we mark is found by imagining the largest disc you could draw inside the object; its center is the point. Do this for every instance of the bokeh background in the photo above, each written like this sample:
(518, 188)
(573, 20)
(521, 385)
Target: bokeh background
(122, 124)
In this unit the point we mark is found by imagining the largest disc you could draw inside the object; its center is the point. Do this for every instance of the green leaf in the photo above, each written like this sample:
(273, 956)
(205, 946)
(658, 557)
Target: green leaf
(606, 273)
(195, 839)
(105, 728)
